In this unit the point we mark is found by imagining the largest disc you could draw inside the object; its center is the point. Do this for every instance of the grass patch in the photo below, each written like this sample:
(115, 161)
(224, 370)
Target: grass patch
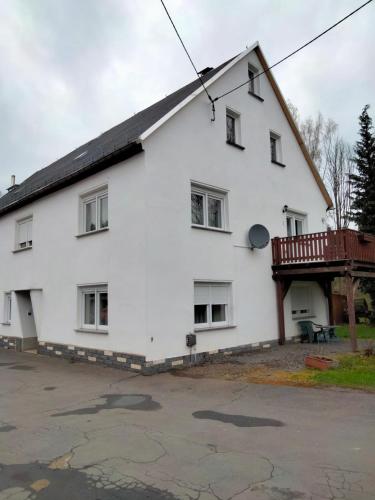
(363, 331)
(353, 371)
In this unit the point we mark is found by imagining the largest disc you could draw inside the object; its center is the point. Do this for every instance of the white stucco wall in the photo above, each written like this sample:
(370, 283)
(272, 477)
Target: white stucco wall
(151, 255)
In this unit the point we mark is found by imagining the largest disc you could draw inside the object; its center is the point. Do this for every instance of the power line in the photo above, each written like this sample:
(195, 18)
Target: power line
(187, 53)
(292, 53)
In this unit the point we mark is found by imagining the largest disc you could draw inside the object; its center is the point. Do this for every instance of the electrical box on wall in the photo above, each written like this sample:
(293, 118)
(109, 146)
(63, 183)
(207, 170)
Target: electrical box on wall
(191, 340)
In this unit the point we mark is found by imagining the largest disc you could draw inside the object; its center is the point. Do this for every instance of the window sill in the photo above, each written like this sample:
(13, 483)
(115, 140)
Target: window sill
(213, 328)
(88, 330)
(256, 96)
(238, 146)
(18, 250)
(102, 230)
(216, 230)
(278, 163)
(6, 324)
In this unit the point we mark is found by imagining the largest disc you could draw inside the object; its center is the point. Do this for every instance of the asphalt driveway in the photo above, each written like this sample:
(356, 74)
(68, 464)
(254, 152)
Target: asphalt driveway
(76, 431)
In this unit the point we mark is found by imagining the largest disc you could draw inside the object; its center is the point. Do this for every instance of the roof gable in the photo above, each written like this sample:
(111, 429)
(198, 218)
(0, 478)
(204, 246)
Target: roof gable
(123, 141)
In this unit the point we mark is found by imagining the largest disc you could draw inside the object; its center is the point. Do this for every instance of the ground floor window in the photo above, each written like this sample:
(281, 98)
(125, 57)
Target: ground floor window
(94, 307)
(212, 304)
(302, 301)
(7, 308)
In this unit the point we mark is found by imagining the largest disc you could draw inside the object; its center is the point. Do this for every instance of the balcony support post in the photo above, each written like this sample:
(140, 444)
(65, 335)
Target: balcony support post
(350, 290)
(330, 302)
(280, 311)
(326, 286)
(282, 287)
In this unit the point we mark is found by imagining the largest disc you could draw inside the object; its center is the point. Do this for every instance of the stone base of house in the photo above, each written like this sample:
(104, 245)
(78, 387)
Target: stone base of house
(18, 343)
(138, 363)
(134, 362)
(13, 343)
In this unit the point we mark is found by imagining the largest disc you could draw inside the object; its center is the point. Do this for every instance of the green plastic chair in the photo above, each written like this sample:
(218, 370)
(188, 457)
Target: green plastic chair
(311, 332)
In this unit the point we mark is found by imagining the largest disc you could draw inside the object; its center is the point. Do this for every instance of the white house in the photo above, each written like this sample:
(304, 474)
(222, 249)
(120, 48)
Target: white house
(118, 251)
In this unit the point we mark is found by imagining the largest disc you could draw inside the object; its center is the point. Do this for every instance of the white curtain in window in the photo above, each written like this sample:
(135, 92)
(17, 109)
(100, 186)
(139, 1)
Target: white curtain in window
(25, 231)
(22, 232)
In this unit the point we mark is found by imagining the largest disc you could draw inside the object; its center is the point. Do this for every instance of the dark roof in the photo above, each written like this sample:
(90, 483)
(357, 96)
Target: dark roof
(109, 148)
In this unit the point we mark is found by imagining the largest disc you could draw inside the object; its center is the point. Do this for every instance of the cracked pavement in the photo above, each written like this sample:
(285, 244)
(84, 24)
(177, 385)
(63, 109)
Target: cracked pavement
(104, 434)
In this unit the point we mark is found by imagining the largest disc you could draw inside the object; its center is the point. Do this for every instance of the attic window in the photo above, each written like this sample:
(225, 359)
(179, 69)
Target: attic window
(81, 155)
(276, 152)
(254, 81)
(233, 128)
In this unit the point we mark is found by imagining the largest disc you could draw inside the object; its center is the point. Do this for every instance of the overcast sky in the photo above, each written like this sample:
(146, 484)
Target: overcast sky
(71, 69)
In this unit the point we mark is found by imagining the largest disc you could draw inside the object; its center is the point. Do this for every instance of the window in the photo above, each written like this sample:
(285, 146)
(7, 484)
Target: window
(7, 308)
(254, 83)
(302, 303)
(275, 144)
(208, 208)
(94, 211)
(212, 304)
(233, 128)
(24, 236)
(94, 307)
(295, 224)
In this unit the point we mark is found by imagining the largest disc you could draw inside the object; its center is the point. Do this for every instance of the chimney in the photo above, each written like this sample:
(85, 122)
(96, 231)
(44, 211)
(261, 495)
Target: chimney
(13, 184)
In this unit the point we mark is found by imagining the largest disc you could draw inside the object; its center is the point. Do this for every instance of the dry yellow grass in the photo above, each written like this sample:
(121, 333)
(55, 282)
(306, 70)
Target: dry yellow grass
(259, 374)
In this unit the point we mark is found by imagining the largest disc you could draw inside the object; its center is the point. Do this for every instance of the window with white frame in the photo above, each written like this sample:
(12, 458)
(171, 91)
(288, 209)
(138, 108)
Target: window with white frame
(212, 304)
(302, 301)
(94, 211)
(295, 223)
(208, 207)
(93, 305)
(254, 84)
(7, 308)
(24, 233)
(275, 145)
(233, 127)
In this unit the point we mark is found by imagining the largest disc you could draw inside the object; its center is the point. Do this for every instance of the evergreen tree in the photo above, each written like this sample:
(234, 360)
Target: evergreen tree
(363, 184)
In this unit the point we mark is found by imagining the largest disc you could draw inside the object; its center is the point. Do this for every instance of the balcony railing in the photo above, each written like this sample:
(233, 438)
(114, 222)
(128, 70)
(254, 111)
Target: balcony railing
(342, 244)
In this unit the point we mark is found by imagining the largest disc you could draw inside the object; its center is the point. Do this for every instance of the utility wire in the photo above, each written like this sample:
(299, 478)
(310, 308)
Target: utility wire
(292, 53)
(187, 53)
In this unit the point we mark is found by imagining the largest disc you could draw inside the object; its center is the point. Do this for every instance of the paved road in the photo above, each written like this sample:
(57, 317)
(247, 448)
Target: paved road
(78, 432)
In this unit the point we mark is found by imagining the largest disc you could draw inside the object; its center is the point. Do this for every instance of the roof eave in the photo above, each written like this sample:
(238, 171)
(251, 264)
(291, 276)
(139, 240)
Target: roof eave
(122, 154)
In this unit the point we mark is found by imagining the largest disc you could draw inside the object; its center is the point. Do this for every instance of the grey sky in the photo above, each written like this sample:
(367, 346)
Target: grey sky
(71, 69)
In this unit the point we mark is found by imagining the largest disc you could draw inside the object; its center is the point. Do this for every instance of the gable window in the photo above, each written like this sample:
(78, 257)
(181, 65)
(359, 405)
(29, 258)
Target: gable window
(94, 211)
(24, 233)
(208, 208)
(94, 307)
(254, 83)
(295, 223)
(302, 301)
(212, 304)
(7, 308)
(275, 145)
(233, 128)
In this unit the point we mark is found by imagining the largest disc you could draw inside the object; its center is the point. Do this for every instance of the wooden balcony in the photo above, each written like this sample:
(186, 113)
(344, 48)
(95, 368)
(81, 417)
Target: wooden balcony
(329, 246)
(321, 257)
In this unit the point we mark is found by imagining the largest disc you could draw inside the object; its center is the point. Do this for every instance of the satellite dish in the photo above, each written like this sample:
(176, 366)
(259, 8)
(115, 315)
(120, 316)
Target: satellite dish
(259, 237)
